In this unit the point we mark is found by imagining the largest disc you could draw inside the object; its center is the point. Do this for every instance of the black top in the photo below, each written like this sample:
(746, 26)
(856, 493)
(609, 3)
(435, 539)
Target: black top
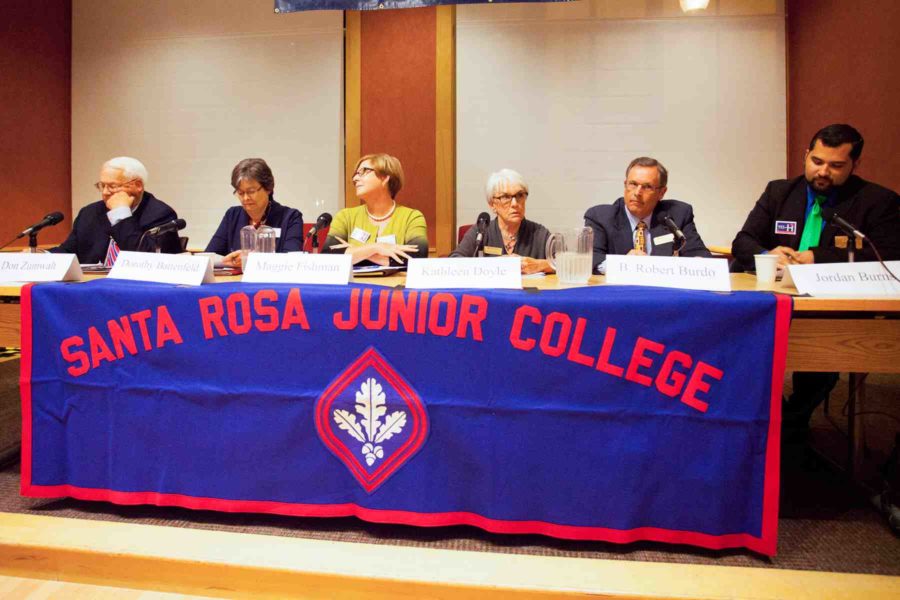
(531, 240)
(91, 230)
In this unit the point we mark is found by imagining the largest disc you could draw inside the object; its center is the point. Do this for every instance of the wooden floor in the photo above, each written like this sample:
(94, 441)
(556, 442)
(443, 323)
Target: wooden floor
(222, 564)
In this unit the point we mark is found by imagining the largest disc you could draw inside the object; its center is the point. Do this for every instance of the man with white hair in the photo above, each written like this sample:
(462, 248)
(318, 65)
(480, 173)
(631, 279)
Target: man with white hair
(119, 220)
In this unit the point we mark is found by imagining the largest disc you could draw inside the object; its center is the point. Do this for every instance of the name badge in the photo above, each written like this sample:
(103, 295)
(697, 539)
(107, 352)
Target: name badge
(360, 235)
(181, 269)
(709, 274)
(387, 239)
(39, 267)
(455, 273)
(493, 251)
(663, 239)
(785, 227)
(297, 267)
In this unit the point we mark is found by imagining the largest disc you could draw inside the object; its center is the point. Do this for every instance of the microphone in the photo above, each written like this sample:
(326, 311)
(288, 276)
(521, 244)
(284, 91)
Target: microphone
(322, 222)
(671, 226)
(51, 219)
(173, 225)
(832, 217)
(481, 224)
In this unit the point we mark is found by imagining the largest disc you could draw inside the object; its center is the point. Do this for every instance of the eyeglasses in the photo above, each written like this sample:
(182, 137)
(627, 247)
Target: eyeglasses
(505, 199)
(362, 172)
(102, 185)
(242, 193)
(634, 185)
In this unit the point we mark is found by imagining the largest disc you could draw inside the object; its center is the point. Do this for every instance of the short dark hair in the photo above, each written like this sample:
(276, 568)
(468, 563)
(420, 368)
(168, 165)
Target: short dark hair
(646, 161)
(839, 134)
(255, 169)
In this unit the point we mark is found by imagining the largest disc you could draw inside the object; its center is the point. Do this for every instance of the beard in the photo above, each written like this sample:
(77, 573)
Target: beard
(822, 185)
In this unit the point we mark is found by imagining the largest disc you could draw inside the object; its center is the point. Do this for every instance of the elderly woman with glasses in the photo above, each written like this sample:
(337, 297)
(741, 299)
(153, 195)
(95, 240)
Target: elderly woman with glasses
(509, 233)
(254, 187)
(379, 230)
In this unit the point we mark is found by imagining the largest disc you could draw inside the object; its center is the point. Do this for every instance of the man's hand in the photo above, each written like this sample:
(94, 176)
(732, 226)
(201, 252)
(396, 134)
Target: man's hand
(120, 198)
(789, 256)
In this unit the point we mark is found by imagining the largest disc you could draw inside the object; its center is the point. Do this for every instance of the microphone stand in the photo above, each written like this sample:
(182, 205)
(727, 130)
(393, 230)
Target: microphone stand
(32, 243)
(314, 243)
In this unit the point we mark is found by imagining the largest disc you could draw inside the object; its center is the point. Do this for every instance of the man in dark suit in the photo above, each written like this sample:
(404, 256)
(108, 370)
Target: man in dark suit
(633, 224)
(119, 220)
(781, 221)
(790, 220)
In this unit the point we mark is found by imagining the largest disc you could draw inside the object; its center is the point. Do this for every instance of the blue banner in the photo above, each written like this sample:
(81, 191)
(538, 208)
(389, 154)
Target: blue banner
(286, 6)
(606, 413)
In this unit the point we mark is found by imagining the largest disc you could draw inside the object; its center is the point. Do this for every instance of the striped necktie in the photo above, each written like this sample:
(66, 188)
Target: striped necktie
(112, 253)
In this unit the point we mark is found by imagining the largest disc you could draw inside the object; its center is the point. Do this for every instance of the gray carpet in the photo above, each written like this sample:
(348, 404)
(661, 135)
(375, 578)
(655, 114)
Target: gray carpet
(826, 524)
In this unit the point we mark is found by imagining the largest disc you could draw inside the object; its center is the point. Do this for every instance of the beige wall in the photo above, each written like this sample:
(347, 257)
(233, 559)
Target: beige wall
(568, 94)
(191, 88)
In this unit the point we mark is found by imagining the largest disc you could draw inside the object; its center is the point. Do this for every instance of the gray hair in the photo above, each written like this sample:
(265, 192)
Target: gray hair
(507, 176)
(131, 168)
(646, 161)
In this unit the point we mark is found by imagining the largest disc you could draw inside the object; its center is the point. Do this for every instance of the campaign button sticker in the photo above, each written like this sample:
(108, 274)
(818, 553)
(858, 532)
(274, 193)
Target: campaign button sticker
(371, 419)
(786, 227)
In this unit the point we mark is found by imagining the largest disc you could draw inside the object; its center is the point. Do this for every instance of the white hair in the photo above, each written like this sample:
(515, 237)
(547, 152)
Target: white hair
(132, 168)
(503, 176)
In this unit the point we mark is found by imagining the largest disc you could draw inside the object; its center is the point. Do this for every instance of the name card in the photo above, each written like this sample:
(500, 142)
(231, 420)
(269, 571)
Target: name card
(845, 279)
(296, 267)
(500, 273)
(180, 269)
(710, 274)
(41, 266)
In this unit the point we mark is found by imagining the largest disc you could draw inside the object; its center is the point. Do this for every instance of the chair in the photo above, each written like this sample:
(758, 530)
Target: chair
(461, 232)
(321, 234)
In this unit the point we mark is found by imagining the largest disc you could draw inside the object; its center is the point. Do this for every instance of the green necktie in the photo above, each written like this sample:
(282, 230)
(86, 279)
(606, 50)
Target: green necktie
(812, 231)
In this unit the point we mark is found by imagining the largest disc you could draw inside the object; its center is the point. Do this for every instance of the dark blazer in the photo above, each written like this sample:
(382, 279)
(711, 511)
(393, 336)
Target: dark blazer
(613, 234)
(874, 210)
(227, 237)
(91, 230)
(531, 240)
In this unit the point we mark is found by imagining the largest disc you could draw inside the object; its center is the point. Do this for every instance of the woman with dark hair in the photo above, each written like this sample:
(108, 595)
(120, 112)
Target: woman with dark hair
(379, 230)
(254, 186)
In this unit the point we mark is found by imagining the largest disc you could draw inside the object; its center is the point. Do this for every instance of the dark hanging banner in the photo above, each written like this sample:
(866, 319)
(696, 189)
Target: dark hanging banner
(286, 6)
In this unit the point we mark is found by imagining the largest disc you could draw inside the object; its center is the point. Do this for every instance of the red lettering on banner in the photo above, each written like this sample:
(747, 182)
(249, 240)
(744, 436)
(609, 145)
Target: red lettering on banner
(515, 334)
(638, 359)
(366, 318)
(268, 313)
(557, 336)
(99, 350)
(166, 331)
(294, 313)
(434, 314)
(472, 313)
(79, 357)
(669, 381)
(121, 334)
(420, 321)
(212, 309)
(352, 318)
(603, 364)
(565, 328)
(141, 318)
(238, 304)
(403, 309)
(697, 384)
(575, 354)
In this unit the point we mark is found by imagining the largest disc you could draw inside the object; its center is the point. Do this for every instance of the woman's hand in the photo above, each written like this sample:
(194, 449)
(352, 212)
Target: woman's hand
(233, 260)
(535, 265)
(379, 253)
